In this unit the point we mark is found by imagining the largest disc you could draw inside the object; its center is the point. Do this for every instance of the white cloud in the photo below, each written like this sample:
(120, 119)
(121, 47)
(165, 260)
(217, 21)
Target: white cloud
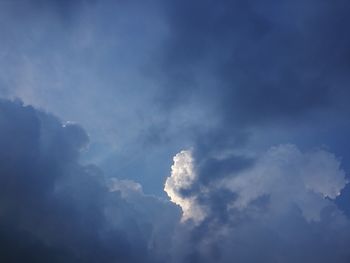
(289, 177)
(125, 187)
(182, 177)
(286, 175)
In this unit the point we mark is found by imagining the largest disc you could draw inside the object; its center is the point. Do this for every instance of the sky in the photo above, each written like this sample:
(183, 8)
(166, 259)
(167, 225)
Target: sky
(174, 131)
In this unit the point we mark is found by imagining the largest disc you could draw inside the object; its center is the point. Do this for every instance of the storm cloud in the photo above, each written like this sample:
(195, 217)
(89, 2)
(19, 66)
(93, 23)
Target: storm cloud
(276, 59)
(54, 209)
(174, 131)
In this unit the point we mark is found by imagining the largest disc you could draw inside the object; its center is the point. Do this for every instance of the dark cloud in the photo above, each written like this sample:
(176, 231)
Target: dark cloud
(272, 68)
(276, 65)
(54, 209)
(227, 74)
(215, 169)
(285, 239)
(271, 60)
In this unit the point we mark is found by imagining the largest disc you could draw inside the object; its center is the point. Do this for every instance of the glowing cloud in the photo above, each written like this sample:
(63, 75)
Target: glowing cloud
(182, 177)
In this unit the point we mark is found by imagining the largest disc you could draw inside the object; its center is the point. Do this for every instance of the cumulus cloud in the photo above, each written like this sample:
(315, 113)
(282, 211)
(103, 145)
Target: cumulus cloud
(223, 71)
(279, 208)
(183, 175)
(278, 68)
(286, 175)
(54, 209)
(283, 174)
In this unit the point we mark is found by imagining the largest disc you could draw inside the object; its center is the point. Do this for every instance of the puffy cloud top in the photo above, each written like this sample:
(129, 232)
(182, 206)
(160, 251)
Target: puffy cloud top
(280, 205)
(183, 175)
(279, 208)
(285, 174)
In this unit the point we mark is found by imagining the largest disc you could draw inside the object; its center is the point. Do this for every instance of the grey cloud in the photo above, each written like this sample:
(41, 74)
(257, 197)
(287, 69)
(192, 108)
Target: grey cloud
(148, 79)
(266, 66)
(265, 73)
(278, 209)
(277, 65)
(54, 209)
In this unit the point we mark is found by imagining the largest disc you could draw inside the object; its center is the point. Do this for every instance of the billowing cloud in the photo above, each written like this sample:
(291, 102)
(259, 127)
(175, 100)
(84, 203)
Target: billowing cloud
(283, 174)
(279, 68)
(287, 176)
(280, 207)
(183, 175)
(227, 79)
(53, 209)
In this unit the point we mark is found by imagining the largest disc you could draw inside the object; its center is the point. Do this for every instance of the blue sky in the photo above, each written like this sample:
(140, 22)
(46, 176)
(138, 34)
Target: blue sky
(174, 131)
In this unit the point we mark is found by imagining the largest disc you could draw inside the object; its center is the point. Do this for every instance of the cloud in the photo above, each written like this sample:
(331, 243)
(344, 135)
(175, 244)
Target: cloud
(125, 187)
(279, 67)
(55, 209)
(289, 177)
(283, 174)
(263, 62)
(229, 77)
(182, 178)
(279, 208)
(279, 205)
